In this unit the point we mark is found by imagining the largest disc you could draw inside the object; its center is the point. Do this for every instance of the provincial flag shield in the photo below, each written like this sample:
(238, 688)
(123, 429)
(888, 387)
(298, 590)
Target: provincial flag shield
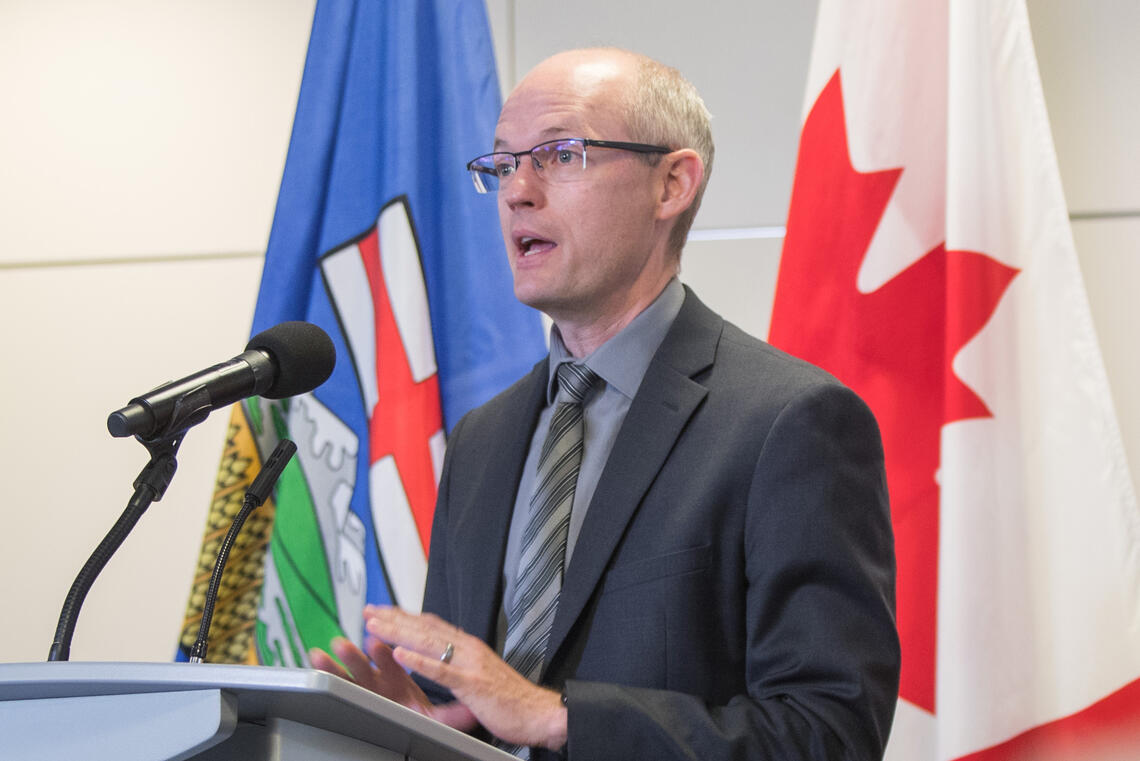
(379, 239)
(376, 286)
(929, 265)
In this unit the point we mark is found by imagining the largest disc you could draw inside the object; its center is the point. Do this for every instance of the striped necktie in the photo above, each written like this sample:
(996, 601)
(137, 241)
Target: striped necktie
(543, 552)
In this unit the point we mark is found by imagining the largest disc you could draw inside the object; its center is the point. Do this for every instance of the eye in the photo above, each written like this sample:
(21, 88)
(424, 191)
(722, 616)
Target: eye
(504, 169)
(565, 153)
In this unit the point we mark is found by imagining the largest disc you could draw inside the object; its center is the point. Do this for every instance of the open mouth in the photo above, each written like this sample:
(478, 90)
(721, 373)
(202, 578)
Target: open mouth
(529, 245)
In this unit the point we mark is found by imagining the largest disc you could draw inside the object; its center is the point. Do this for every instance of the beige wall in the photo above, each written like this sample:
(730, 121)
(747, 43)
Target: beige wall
(140, 152)
(141, 148)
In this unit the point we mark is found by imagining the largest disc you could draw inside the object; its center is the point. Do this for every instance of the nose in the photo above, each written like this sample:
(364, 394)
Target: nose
(525, 187)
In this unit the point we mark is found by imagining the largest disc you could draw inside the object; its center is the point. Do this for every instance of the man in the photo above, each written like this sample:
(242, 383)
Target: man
(726, 586)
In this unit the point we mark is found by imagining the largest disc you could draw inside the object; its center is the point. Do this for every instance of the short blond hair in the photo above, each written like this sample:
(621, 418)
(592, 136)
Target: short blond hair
(664, 108)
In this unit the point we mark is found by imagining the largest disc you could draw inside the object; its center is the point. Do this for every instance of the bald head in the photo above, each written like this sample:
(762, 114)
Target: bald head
(590, 72)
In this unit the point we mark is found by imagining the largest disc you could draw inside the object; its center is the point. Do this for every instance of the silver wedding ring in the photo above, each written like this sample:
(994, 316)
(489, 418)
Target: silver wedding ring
(447, 653)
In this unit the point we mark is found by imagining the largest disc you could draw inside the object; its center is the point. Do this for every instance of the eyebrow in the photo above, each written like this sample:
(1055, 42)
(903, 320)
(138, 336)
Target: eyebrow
(550, 133)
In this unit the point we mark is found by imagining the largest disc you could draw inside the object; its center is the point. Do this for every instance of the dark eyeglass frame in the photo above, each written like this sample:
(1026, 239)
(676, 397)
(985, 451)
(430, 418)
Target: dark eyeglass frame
(518, 155)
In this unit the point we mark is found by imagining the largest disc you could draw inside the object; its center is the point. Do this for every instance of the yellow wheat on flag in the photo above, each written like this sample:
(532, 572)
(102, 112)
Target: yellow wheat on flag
(232, 628)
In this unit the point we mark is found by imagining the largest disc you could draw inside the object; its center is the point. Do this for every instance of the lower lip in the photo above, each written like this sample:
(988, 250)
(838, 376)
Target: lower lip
(537, 253)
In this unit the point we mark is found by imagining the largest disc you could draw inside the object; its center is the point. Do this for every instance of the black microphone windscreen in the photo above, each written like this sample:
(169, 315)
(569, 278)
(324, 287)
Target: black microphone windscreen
(304, 354)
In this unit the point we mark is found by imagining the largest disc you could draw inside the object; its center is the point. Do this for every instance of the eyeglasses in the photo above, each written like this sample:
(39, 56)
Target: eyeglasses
(555, 160)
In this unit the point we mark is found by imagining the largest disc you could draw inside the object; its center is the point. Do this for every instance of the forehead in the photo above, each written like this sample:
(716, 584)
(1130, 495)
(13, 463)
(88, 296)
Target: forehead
(566, 96)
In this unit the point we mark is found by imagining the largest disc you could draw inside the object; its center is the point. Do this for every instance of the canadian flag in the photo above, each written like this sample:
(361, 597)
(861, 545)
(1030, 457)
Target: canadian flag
(929, 264)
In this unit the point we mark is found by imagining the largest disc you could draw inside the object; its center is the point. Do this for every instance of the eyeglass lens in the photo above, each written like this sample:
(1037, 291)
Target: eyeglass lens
(557, 160)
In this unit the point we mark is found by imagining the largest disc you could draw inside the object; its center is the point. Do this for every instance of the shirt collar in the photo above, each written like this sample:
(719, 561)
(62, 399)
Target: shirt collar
(622, 360)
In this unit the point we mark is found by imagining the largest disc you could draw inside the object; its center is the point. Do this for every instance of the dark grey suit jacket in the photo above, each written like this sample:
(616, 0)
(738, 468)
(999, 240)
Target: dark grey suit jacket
(731, 594)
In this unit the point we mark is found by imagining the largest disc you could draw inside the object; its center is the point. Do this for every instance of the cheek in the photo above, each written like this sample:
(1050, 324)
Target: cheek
(606, 225)
(626, 221)
(508, 245)
(504, 222)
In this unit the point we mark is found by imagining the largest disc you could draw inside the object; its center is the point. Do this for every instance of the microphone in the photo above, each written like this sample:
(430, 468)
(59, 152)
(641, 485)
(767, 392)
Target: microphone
(288, 359)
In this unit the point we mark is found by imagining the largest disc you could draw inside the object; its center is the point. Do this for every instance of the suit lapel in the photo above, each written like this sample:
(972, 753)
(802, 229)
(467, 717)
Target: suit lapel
(487, 500)
(667, 398)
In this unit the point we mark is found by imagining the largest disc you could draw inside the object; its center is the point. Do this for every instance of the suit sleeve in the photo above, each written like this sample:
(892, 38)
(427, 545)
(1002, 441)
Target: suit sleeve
(436, 597)
(822, 655)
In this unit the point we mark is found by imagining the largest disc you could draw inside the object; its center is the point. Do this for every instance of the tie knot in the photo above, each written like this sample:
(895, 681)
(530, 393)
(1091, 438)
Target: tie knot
(576, 380)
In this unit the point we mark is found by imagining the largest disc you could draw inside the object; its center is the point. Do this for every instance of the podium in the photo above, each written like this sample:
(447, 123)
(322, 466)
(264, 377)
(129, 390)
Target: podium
(208, 712)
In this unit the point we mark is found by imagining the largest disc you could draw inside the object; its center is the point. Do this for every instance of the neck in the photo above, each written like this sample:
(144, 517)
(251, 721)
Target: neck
(583, 340)
(583, 335)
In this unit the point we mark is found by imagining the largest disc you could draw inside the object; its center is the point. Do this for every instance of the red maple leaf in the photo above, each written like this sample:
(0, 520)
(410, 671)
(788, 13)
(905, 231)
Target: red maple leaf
(892, 346)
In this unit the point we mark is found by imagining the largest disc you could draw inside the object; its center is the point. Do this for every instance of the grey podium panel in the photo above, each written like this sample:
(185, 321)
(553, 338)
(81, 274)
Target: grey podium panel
(159, 726)
(214, 713)
(284, 740)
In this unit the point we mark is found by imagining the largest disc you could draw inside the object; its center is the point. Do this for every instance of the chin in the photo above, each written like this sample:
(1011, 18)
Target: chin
(530, 299)
(533, 295)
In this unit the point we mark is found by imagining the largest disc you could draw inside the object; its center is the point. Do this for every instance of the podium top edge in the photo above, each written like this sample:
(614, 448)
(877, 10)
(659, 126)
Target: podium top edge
(306, 695)
(172, 675)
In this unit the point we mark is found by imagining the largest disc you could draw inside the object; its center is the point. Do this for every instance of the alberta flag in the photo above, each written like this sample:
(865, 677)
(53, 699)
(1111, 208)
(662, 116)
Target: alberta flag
(929, 264)
(380, 239)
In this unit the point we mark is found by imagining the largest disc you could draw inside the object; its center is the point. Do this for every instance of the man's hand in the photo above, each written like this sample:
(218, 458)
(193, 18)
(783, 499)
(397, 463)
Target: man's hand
(380, 674)
(509, 705)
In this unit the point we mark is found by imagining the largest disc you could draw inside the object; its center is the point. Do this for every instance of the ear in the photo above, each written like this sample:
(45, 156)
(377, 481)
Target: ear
(683, 172)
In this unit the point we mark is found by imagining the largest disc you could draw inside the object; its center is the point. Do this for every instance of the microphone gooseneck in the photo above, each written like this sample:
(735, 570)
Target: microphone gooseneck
(257, 493)
(149, 487)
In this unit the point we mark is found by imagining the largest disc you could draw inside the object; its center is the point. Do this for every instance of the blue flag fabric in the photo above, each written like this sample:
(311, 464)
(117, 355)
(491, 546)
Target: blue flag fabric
(379, 238)
(396, 98)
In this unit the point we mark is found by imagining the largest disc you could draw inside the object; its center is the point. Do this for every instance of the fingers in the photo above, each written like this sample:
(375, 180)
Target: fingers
(321, 660)
(502, 700)
(357, 667)
(358, 664)
(425, 634)
(377, 671)
(486, 688)
(419, 641)
(433, 668)
(379, 652)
